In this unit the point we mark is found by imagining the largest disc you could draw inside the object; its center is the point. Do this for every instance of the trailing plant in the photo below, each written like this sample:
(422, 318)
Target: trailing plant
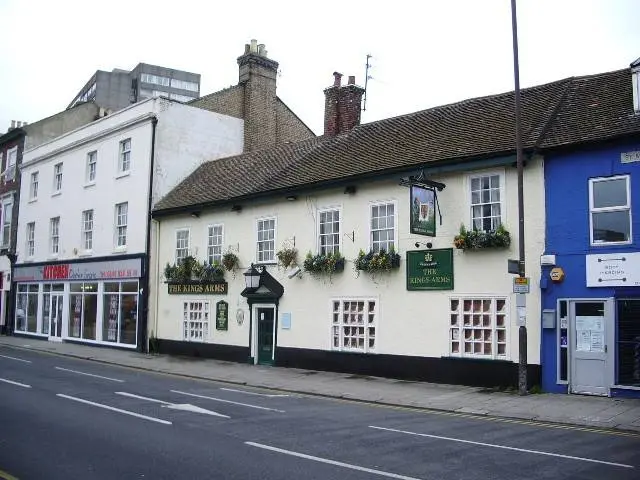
(230, 261)
(374, 262)
(212, 272)
(189, 269)
(477, 239)
(326, 264)
(287, 257)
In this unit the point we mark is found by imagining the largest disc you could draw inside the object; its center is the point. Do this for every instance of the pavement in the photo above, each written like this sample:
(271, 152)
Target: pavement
(622, 414)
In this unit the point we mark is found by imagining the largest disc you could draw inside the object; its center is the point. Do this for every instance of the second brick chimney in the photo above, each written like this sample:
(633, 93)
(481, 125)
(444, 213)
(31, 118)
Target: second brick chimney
(342, 106)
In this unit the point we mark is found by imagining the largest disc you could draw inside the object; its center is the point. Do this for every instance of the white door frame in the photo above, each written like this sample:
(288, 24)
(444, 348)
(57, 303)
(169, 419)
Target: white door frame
(59, 304)
(254, 328)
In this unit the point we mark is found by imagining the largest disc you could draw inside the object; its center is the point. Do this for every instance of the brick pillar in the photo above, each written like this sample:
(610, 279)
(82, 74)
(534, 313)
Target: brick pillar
(342, 106)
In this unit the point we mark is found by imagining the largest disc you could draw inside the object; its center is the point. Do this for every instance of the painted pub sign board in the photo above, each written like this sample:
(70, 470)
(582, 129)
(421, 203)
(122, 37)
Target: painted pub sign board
(423, 211)
(430, 269)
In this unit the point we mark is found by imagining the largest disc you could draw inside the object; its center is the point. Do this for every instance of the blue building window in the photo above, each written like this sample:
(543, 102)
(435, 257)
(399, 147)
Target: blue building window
(610, 210)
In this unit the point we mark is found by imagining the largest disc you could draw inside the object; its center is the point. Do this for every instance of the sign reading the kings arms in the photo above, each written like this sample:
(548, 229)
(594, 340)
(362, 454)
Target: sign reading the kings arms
(430, 269)
(209, 288)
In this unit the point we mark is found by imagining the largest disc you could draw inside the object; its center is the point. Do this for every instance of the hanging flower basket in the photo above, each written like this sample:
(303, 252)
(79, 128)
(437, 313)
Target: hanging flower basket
(476, 239)
(323, 264)
(287, 257)
(381, 261)
(230, 261)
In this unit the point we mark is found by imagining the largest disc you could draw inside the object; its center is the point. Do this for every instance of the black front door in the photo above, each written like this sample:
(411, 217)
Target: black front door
(265, 335)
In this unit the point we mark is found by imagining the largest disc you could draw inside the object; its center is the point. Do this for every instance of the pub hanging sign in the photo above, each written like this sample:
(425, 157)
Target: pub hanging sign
(423, 212)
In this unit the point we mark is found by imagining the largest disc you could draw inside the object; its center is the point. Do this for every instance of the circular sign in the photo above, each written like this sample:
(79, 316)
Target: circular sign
(556, 274)
(240, 316)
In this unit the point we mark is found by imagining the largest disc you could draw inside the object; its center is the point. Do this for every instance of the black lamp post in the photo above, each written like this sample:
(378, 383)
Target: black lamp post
(252, 277)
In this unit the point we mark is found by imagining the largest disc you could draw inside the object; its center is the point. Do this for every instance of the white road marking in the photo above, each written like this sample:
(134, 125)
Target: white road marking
(331, 462)
(228, 401)
(16, 359)
(90, 374)
(524, 450)
(253, 393)
(15, 383)
(114, 409)
(187, 407)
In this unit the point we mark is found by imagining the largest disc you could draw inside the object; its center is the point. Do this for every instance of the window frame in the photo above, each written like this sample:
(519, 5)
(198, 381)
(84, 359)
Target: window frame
(117, 225)
(460, 312)
(503, 204)
(87, 234)
(340, 325)
(206, 320)
(54, 221)
(30, 246)
(626, 207)
(12, 153)
(7, 201)
(376, 203)
(273, 260)
(57, 185)
(34, 184)
(188, 245)
(122, 154)
(210, 246)
(318, 224)
(92, 155)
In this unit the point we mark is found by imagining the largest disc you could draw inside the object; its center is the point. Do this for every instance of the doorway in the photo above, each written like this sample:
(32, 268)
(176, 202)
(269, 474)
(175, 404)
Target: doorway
(55, 316)
(590, 353)
(265, 335)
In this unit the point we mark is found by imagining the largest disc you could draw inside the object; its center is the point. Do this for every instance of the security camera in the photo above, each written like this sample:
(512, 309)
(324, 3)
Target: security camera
(293, 272)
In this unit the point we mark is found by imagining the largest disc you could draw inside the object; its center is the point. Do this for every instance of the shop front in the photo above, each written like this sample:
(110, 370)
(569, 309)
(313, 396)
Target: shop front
(85, 301)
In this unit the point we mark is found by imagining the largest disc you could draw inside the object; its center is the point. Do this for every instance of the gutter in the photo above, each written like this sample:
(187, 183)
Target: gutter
(142, 325)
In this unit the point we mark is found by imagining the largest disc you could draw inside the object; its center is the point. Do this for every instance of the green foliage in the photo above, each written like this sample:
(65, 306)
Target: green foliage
(324, 264)
(189, 269)
(230, 261)
(381, 261)
(287, 257)
(476, 239)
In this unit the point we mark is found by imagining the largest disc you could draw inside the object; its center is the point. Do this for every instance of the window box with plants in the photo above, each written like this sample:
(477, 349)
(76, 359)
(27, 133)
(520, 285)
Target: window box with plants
(374, 262)
(190, 270)
(478, 239)
(324, 263)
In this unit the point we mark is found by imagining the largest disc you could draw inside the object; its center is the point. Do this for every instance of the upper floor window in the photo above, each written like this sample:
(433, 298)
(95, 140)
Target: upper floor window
(7, 214)
(184, 85)
(486, 202)
(33, 186)
(92, 161)
(124, 163)
(57, 178)
(31, 239)
(155, 79)
(182, 244)
(214, 243)
(54, 235)
(266, 240)
(10, 171)
(610, 210)
(121, 224)
(383, 226)
(329, 231)
(87, 230)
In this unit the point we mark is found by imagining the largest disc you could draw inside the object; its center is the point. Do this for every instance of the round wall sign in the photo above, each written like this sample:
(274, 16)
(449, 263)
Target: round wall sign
(240, 316)
(556, 274)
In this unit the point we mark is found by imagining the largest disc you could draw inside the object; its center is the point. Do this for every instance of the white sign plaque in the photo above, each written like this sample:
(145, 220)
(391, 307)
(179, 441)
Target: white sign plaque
(629, 157)
(613, 270)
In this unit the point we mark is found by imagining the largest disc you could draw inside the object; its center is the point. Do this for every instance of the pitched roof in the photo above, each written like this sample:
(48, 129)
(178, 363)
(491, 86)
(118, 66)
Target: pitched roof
(568, 111)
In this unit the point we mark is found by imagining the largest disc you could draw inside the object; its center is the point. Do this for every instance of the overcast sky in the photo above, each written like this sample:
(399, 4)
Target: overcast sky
(425, 53)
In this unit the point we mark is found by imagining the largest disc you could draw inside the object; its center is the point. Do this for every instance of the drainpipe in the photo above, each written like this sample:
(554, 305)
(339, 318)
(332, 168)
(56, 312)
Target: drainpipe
(144, 347)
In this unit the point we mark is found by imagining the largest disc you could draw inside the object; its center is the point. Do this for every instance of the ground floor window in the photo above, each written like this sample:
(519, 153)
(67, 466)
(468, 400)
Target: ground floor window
(83, 310)
(27, 308)
(354, 325)
(628, 343)
(195, 321)
(478, 327)
(120, 312)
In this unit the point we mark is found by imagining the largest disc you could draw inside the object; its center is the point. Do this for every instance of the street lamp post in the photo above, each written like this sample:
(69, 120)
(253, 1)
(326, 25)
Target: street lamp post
(522, 330)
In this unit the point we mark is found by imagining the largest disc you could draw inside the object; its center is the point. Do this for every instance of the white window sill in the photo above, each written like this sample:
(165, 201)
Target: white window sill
(85, 253)
(55, 194)
(610, 244)
(33, 200)
(123, 174)
(120, 250)
(90, 184)
(53, 256)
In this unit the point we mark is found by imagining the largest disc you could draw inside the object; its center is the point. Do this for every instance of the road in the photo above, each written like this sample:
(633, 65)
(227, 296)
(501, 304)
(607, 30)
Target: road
(62, 418)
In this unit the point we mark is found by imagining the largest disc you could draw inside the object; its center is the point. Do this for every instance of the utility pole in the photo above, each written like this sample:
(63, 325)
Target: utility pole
(366, 82)
(520, 297)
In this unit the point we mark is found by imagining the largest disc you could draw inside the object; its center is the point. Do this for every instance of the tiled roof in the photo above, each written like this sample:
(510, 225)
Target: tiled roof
(569, 111)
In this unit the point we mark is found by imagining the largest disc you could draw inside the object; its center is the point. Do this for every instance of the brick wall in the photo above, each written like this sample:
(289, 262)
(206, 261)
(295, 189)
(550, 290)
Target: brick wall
(289, 127)
(229, 101)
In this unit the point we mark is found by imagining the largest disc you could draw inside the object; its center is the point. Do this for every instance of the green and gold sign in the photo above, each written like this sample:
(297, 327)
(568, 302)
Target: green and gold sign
(430, 269)
(209, 288)
(222, 315)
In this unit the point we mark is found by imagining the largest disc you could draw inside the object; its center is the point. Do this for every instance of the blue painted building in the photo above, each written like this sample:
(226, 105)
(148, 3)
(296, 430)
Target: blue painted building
(591, 267)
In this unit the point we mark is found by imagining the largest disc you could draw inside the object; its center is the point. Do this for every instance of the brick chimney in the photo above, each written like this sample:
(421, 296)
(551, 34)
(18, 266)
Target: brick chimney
(257, 74)
(342, 106)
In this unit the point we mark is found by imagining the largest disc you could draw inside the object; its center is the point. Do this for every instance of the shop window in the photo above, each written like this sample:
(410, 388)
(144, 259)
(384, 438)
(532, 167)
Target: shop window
(120, 312)
(610, 210)
(478, 327)
(354, 325)
(83, 310)
(27, 308)
(195, 321)
(628, 343)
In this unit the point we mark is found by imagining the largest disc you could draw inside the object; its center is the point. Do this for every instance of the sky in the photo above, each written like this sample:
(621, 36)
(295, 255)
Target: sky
(424, 53)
